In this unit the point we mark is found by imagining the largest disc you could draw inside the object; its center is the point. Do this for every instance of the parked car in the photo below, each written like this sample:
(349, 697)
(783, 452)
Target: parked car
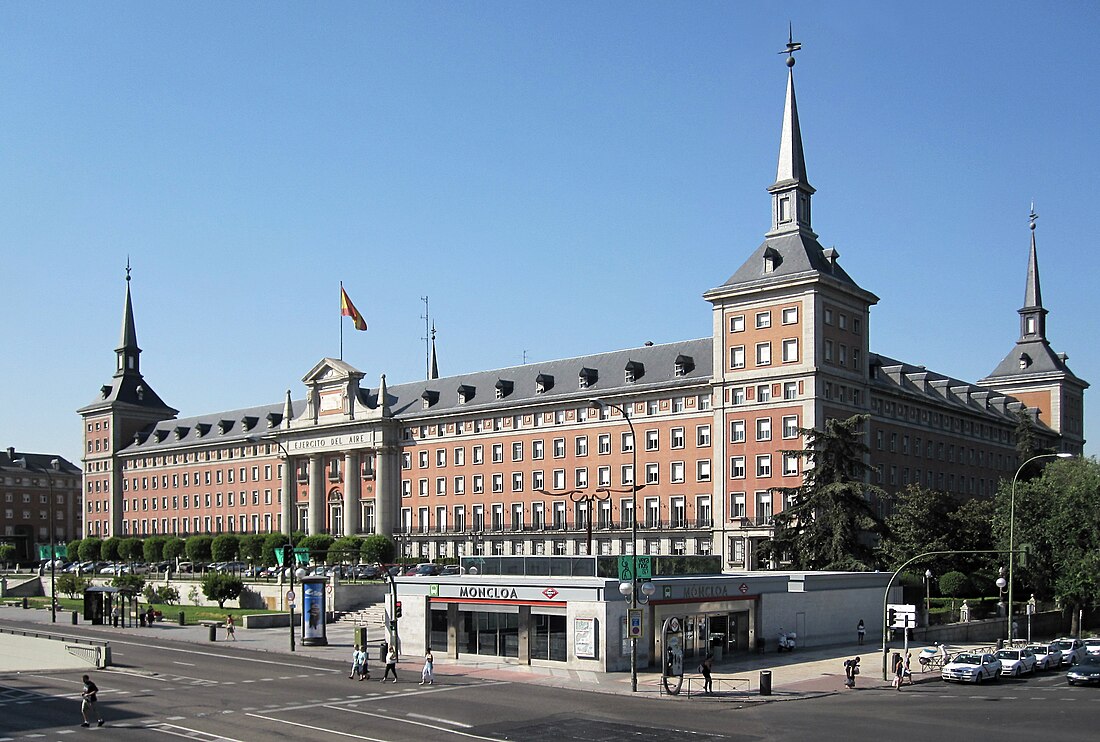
(232, 567)
(451, 569)
(424, 569)
(1016, 662)
(1073, 651)
(1085, 671)
(366, 571)
(1092, 646)
(971, 667)
(1047, 657)
(185, 567)
(110, 569)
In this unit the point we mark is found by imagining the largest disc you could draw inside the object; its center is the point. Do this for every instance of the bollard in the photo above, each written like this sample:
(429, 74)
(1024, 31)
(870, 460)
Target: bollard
(74, 618)
(213, 632)
(765, 682)
(183, 619)
(25, 605)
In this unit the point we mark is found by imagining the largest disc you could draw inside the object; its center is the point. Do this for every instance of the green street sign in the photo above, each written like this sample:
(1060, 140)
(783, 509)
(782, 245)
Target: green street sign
(635, 567)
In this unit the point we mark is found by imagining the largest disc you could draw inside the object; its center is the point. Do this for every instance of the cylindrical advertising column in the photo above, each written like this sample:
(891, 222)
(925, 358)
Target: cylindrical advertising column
(314, 611)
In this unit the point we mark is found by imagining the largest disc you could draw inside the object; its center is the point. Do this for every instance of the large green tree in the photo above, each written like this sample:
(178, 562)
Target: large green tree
(925, 520)
(828, 522)
(1057, 522)
(224, 548)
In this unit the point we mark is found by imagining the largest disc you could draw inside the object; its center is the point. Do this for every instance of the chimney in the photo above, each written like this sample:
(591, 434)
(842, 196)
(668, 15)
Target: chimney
(11, 453)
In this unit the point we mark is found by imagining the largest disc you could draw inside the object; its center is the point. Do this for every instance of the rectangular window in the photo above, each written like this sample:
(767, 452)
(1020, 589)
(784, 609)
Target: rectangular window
(763, 320)
(559, 479)
(702, 436)
(441, 457)
(559, 448)
(498, 453)
(764, 393)
(790, 464)
(828, 351)
(737, 431)
(790, 315)
(737, 356)
(538, 480)
(517, 481)
(422, 460)
(677, 438)
(737, 505)
(440, 485)
(581, 445)
(479, 484)
(627, 442)
(423, 487)
(764, 465)
(581, 478)
(603, 476)
(498, 483)
(605, 443)
(652, 474)
(790, 426)
(460, 485)
(763, 354)
(702, 470)
(676, 473)
(737, 395)
(763, 428)
(626, 475)
(517, 451)
(652, 442)
(479, 455)
(737, 323)
(537, 450)
(460, 457)
(737, 467)
(790, 350)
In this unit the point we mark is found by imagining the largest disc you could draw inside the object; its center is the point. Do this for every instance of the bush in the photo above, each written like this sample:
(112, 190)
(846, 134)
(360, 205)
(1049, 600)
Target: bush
(954, 584)
(72, 550)
(133, 582)
(91, 549)
(224, 548)
(164, 595)
(71, 584)
(7, 553)
(221, 587)
(198, 549)
(377, 548)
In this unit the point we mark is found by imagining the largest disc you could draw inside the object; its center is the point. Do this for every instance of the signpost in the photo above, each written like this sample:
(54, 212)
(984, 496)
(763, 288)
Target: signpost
(634, 623)
(632, 567)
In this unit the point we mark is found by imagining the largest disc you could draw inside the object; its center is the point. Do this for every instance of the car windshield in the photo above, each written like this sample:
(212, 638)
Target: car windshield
(1060, 645)
(1008, 654)
(1037, 648)
(967, 659)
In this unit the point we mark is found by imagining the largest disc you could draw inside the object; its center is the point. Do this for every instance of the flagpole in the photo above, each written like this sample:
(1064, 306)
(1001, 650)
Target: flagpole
(341, 321)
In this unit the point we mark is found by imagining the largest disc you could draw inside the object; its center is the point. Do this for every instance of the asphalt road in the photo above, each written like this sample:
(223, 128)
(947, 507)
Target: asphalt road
(163, 689)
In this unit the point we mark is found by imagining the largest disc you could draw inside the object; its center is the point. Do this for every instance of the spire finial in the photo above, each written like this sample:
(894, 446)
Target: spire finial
(1033, 217)
(127, 268)
(792, 45)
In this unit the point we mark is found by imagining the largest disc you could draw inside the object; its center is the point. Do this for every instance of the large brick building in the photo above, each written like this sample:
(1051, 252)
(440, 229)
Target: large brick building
(38, 492)
(487, 461)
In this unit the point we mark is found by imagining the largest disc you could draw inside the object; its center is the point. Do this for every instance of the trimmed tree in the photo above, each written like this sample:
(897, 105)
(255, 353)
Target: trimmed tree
(173, 548)
(91, 549)
(72, 549)
(317, 545)
(344, 549)
(828, 522)
(224, 548)
(377, 548)
(7, 553)
(198, 549)
(252, 548)
(153, 549)
(109, 549)
(272, 541)
(221, 587)
(131, 549)
(954, 585)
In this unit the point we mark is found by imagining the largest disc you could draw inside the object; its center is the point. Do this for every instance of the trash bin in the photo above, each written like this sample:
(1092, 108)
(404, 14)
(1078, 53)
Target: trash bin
(74, 618)
(765, 682)
(182, 619)
(213, 632)
(25, 605)
(382, 651)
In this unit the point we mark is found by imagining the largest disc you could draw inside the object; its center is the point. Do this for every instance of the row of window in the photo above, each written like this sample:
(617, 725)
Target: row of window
(763, 320)
(762, 393)
(842, 321)
(42, 499)
(943, 452)
(763, 428)
(9, 514)
(789, 348)
(764, 466)
(916, 414)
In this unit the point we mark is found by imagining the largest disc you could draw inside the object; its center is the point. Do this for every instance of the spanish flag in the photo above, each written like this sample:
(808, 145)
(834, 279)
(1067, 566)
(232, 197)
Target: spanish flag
(347, 309)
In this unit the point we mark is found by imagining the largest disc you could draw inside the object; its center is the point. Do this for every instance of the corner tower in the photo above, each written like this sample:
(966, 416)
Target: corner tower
(124, 407)
(1037, 376)
(790, 350)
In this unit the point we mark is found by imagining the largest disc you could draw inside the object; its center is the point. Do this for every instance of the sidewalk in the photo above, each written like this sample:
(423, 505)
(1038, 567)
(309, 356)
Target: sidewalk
(804, 673)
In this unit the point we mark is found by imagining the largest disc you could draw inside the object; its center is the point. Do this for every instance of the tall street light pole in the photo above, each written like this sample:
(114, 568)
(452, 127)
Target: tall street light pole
(55, 464)
(633, 530)
(1012, 527)
(290, 562)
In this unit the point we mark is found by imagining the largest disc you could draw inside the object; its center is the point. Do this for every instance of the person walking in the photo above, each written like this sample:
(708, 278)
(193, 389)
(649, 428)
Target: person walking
(851, 669)
(116, 615)
(427, 675)
(898, 670)
(705, 667)
(391, 664)
(229, 628)
(861, 631)
(907, 670)
(355, 663)
(364, 663)
(88, 698)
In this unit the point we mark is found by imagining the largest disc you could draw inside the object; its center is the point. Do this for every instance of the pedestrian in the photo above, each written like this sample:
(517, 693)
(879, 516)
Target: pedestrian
(907, 670)
(116, 614)
(851, 669)
(391, 664)
(861, 631)
(705, 667)
(150, 616)
(355, 663)
(898, 670)
(229, 628)
(427, 675)
(364, 666)
(87, 703)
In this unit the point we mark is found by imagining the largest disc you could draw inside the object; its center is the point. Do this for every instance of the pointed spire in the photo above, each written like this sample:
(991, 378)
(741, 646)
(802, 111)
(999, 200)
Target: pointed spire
(1032, 314)
(128, 351)
(383, 398)
(434, 373)
(288, 410)
(792, 160)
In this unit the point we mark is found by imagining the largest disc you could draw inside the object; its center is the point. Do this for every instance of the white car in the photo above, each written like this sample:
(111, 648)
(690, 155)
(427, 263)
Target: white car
(1047, 657)
(1073, 651)
(1092, 646)
(971, 667)
(1016, 662)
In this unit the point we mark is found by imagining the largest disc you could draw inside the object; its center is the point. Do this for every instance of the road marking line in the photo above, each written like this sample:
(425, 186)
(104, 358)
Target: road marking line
(188, 733)
(177, 662)
(439, 721)
(417, 723)
(318, 729)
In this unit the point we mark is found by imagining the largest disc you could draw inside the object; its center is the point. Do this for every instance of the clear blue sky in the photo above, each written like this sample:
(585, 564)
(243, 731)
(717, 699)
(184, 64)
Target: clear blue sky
(559, 178)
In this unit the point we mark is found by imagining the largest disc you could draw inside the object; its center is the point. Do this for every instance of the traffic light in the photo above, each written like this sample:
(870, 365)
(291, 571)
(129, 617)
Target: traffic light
(397, 609)
(891, 617)
(288, 555)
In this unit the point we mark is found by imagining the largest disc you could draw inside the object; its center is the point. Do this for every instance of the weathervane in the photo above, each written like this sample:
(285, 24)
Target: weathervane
(1032, 217)
(792, 45)
(127, 267)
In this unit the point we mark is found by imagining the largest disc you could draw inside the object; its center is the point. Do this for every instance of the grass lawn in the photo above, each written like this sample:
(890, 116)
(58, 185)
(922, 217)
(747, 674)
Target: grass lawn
(192, 613)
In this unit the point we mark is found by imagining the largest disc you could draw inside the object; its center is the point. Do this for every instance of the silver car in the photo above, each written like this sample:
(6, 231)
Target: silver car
(1016, 662)
(1047, 657)
(1073, 651)
(971, 667)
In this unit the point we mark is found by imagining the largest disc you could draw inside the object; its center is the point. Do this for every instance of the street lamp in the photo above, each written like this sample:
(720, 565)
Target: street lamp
(55, 465)
(578, 496)
(629, 588)
(927, 597)
(1012, 525)
(289, 559)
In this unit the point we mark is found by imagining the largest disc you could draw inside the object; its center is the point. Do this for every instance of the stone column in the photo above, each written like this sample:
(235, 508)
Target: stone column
(386, 490)
(316, 505)
(353, 485)
(289, 505)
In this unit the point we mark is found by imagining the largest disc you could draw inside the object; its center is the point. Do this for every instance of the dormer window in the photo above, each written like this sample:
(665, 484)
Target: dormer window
(224, 426)
(588, 377)
(140, 392)
(634, 371)
(273, 419)
(180, 432)
(465, 393)
(202, 429)
(543, 383)
(684, 365)
(1025, 360)
(504, 388)
(772, 259)
(105, 390)
(248, 422)
(430, 397)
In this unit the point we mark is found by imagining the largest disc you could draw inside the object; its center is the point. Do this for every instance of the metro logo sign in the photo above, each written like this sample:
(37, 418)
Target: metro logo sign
(550, 593)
